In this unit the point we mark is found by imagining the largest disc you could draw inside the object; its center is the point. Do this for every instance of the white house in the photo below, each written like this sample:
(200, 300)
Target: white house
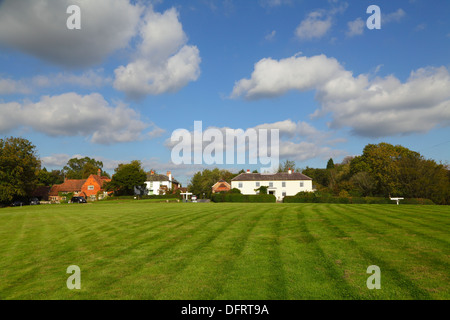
(158, 184)
(279, 184)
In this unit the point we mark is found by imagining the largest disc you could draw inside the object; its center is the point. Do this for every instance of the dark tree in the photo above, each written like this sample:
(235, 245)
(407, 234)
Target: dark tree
(19, 165)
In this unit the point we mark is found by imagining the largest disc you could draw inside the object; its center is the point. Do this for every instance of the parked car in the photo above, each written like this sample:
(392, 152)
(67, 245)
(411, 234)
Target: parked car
(34, 201)
(194, 198)
(17, 204)
(78, 200)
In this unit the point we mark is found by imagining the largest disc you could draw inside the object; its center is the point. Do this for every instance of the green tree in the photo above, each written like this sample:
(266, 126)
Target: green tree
(126, 178)
(262, 190)
(19, 165)
(81, 168)
(50, 178)
(330, 164)
(286, 166)
(202, 181)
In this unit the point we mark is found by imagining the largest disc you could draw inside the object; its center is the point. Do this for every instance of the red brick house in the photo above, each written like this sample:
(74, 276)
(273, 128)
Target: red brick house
(93, 187)
(60, 192)
(90, 188)
(221, 186)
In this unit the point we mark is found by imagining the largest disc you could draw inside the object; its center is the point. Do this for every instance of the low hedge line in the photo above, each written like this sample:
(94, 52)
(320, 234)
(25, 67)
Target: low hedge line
(236, 197)
(158, 197)
(353, 200)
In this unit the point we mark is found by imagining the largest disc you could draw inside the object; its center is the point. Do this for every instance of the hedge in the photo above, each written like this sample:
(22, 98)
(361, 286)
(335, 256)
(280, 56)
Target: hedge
(236, 197)
(352, 200)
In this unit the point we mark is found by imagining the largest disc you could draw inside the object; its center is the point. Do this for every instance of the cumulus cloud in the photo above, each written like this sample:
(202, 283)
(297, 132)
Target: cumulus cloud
(375, 107)
(71, 114)
(298, 140)
(315, 25)
(272, 78)
(164, 62)
(38, 28)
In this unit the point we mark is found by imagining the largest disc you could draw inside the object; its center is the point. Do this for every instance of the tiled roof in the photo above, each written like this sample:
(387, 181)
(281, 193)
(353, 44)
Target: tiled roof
(67, 186)
(280, 176)
(160, 177)
(100, 180)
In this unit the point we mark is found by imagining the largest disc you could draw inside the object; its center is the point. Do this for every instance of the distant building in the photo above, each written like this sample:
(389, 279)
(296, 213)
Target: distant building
(221, 186)
(279, 184)
(159, 184)
(90, 188)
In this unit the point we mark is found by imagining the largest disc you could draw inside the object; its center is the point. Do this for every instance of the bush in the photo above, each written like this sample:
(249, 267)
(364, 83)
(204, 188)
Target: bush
(309, 197)
(236, 197)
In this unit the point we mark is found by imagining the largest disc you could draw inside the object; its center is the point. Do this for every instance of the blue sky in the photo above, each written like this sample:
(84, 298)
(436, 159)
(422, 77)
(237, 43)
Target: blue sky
(136, 71)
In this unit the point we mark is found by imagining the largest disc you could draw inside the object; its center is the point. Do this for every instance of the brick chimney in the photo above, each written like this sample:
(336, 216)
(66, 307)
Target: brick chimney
(99, 172)
(152, 172)
(290, 171)
(248, 170)
(169, 174)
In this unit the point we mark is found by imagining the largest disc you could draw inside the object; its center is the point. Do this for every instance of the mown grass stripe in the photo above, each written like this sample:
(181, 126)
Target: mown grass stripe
(389, 270)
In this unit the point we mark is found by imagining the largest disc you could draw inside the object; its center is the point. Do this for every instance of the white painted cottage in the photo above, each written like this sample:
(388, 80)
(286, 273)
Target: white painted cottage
(279, 184)
(159, 184)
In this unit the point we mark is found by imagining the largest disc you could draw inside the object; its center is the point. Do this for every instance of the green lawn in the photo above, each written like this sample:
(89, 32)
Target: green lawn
(145, 250)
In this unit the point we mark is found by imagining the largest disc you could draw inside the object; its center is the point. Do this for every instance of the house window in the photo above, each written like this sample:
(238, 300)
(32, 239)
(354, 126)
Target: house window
(270, 184)
(240, 185)
(90, 187)
(301, 184)
(284, 194)
(151, 185)
(257, 184)
(283, 184)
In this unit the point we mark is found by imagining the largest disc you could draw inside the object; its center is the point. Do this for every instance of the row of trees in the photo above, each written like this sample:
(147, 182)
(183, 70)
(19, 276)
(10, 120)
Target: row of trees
(21, 172)
(381, 170)
(385, 170)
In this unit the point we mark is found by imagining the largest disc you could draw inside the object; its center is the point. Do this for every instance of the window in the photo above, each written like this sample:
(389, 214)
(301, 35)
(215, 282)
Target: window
(257, 184)
(240, 185)
(301, 184)
(90, 187)
(270, 184)
(284, 194)
(283, 184)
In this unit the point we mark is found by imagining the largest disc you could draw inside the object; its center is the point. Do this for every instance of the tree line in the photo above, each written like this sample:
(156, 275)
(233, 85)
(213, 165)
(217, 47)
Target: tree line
(381, 170)
(21, 172)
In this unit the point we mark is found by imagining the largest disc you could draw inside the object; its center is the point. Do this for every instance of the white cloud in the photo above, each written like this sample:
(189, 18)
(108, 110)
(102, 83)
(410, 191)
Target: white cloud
(316, 25)
(319, 22)
(164, 62)
(298, 141)
(356, 27)
(38, 27)
(272, 78)
(71, 114)
(9, 86)
(370, 107)
(58, 160)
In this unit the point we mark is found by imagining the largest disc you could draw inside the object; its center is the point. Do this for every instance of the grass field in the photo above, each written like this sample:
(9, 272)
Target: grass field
(144, 250)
